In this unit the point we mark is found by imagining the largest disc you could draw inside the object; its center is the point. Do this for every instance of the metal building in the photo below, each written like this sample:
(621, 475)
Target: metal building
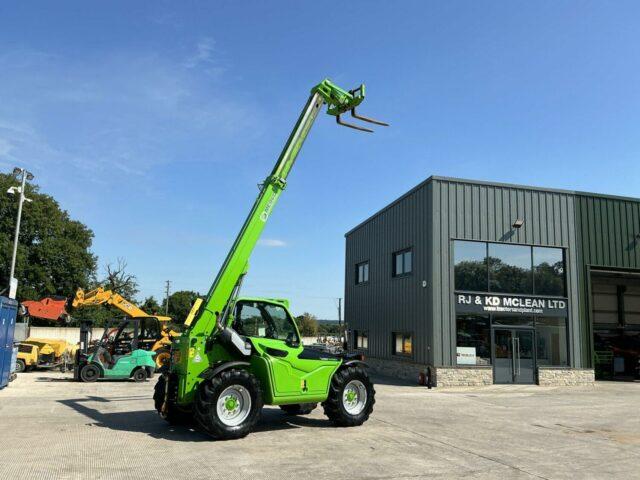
(470, 282)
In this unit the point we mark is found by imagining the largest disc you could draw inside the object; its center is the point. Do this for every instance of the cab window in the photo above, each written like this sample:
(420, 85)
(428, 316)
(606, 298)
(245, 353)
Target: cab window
(264, 320)
(149, 329)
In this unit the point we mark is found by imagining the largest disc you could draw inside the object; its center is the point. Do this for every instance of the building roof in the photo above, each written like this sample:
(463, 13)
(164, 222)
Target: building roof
(490, 184)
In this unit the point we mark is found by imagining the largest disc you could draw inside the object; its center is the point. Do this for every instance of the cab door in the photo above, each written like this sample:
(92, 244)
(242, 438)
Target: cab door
(276, 340)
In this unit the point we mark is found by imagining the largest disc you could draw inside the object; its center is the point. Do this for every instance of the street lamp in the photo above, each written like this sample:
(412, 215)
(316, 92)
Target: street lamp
(13, 282)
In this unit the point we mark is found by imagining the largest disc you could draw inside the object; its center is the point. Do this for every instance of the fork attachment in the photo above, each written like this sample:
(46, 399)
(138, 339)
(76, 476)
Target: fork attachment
(340, 101)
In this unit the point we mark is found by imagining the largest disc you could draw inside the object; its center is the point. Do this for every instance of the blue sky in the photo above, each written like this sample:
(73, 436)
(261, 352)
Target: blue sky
(152, 122)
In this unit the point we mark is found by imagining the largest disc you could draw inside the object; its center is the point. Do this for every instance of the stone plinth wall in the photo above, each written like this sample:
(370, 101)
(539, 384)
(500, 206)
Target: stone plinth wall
(565, 376)
(396, 368)
(441, 376)
(474, 376)
(463, 377)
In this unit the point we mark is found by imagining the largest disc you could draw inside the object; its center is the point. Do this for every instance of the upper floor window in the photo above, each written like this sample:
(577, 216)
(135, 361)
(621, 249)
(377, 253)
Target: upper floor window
(402, 263)
(362, 273)
(470, 265)
(548, 271)
(509, 268)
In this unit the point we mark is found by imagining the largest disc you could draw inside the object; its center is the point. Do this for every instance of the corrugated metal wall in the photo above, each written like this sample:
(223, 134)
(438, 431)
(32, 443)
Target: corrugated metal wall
(388, 304)
(607, 237)
(608, 229)
(477, 211)
(428, 218)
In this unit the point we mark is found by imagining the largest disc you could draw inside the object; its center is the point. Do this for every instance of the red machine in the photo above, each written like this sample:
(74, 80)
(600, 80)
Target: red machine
(49, 308)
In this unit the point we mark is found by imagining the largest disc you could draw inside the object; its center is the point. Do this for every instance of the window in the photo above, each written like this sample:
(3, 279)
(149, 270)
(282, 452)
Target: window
(362, 273)
(360, 339)
(510, 268)
(473, 340)
(551, 333)
(470, 266)
(149, 329)
(265, 320)
(402, 344)
(402, 263)
(548, 271)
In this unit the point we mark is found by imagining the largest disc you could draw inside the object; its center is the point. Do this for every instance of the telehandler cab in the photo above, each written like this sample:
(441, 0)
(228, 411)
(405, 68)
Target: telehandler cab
(240, 353)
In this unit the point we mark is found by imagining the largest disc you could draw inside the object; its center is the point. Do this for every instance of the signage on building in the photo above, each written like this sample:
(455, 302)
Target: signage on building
(518, 304)
(466, 355)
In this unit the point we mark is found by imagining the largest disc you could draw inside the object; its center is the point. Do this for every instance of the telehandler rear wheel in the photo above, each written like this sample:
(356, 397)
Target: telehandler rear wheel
(299, 408)
(351, 397)
(228, 405)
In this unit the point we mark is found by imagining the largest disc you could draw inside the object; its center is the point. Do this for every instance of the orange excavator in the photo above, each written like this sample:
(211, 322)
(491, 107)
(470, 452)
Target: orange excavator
(100, 296)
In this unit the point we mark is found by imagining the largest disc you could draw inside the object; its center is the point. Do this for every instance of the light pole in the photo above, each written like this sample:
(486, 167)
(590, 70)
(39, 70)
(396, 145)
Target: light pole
(13, 282)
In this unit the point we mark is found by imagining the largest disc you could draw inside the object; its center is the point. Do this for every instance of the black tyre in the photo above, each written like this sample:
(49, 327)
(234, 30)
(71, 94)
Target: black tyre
(139, 375)
(172, 414)
(299, 408)
(20, 366)
(90, 373)
(228, 406)
(351, 397)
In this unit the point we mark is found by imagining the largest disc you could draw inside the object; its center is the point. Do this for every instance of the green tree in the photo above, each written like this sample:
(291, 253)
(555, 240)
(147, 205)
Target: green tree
(180, 303)
(151, 306)
(54, 256)
(307, 324)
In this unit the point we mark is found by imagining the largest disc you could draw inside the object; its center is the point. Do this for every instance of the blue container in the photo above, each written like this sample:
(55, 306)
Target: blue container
(8, 314)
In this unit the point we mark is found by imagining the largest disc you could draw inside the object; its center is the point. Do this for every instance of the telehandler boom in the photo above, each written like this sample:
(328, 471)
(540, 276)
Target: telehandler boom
(240, 353)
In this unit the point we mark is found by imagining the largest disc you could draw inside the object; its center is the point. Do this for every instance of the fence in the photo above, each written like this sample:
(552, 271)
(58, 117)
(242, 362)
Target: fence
(70, 334)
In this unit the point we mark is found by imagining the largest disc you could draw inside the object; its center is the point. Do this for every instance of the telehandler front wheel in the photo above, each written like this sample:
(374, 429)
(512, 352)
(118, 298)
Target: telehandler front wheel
(351, 397)
(299, 408)
(228, 405)
(171, 413)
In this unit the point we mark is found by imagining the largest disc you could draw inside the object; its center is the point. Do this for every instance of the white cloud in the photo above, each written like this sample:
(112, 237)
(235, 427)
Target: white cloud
(124, 113)
(272, 243)
(204, 57)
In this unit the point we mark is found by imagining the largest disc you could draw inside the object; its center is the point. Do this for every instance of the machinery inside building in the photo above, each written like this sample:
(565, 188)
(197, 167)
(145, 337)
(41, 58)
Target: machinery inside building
(616, 323)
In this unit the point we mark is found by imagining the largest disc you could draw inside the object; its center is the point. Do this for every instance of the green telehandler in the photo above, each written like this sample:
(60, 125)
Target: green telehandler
(239, 353)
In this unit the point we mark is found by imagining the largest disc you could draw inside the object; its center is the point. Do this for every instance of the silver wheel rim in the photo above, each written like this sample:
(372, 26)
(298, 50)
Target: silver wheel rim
(354, 397)
(234, 405)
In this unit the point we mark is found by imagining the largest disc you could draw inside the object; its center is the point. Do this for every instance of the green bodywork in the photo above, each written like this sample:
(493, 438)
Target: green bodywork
(285, 379)
(125, 365)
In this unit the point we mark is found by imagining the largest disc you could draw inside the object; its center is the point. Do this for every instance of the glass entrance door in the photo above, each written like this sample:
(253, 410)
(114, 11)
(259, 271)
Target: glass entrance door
(513, 356)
